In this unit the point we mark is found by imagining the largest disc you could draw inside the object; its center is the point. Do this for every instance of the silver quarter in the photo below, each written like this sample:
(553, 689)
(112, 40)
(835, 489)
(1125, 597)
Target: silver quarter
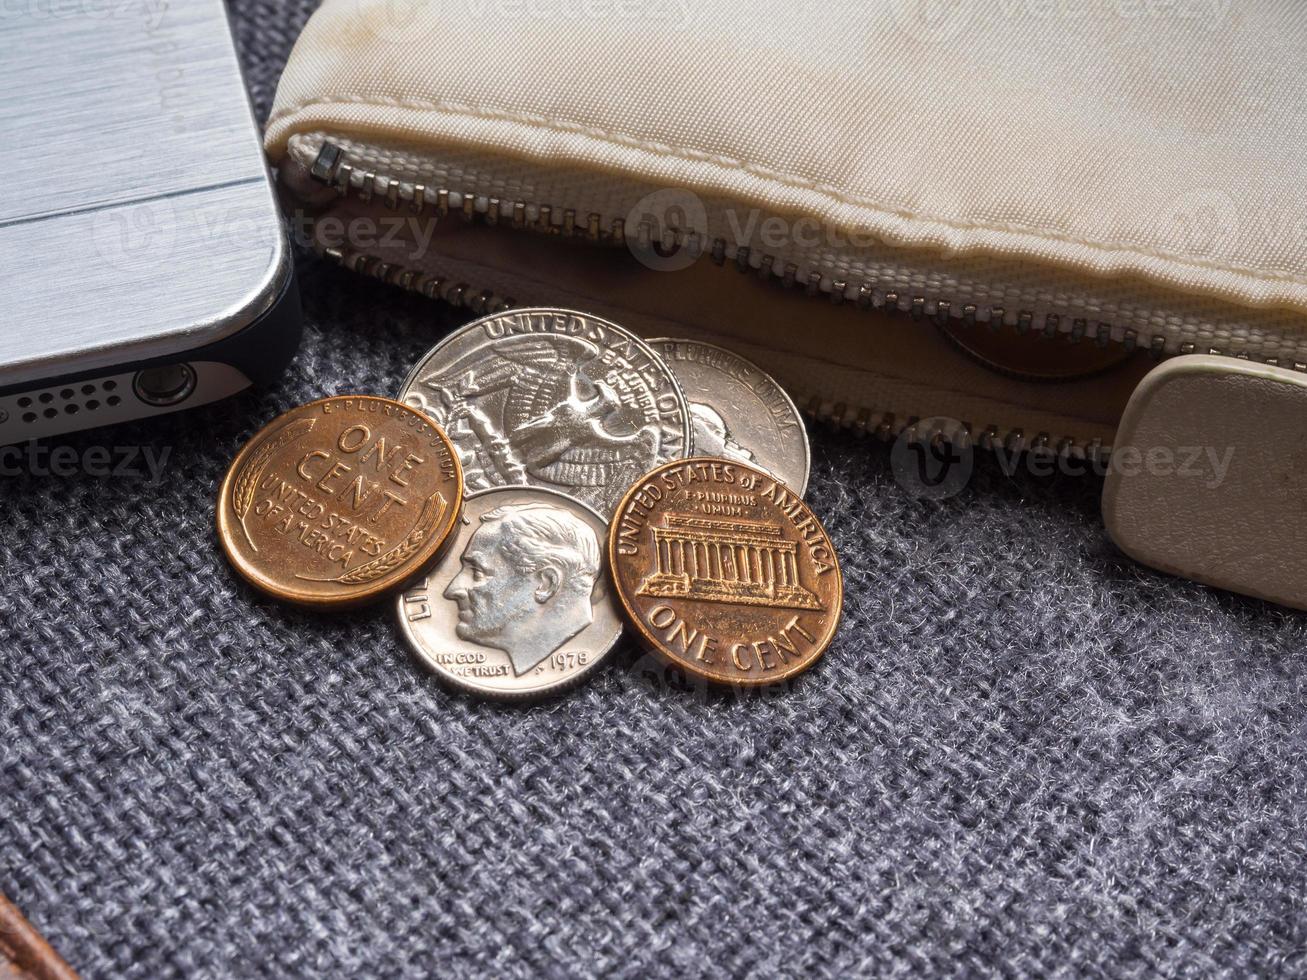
(554, 399)
(522, 603)
(739, 411)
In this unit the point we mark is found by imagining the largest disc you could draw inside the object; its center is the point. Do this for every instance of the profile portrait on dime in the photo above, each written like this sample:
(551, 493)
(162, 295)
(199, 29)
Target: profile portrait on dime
(739, 411)
(526, 582)
(552, 398)
(521, 604)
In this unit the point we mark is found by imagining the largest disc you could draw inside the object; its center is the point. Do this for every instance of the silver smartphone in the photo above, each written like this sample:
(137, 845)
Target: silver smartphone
(144, 266)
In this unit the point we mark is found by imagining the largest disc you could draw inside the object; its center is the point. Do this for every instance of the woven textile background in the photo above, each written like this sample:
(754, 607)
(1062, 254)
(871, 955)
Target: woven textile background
(1024, 755)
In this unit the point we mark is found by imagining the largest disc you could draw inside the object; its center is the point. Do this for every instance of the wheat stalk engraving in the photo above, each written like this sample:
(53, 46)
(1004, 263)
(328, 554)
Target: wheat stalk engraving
(247, 479)
(433, 511)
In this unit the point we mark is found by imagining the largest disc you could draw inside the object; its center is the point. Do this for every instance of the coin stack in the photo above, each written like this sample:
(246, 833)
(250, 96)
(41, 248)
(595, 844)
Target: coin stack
(543, 477)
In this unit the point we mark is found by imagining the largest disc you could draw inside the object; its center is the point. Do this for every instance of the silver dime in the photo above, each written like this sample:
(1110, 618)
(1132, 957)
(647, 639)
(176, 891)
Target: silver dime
(522, 603)
(555, 399)
(739, 410)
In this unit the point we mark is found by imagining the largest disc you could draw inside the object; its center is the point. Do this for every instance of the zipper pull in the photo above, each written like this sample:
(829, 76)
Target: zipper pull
(326, 164)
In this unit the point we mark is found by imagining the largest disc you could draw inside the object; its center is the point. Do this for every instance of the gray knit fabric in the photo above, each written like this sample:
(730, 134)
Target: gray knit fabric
(1024, 755)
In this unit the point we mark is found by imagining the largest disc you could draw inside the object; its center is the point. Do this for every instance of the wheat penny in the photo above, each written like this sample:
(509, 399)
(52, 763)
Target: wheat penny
(520, 605)
(724, 570)
(340, 501)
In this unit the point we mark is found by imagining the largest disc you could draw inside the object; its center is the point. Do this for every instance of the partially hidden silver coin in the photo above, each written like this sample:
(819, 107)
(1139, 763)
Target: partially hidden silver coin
(555, 399)
(739, 411)
(521, 605)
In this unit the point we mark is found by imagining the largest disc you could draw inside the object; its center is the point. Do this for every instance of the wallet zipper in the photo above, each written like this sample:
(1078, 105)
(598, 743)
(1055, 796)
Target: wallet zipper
(349, 178)
(332, 168)
(883, 424)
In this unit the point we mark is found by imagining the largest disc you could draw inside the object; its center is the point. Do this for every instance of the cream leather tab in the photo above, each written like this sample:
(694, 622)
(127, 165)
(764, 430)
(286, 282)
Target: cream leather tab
(1209, 476)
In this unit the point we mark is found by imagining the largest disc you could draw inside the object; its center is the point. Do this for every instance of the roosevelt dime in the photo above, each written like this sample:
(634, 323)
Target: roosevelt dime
(724, 571)
(738, 410)
(554, 399)
(339, 501)
(521, 605)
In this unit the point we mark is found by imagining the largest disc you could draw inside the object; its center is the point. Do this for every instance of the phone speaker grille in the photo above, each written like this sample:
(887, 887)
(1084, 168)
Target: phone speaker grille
(68, 400)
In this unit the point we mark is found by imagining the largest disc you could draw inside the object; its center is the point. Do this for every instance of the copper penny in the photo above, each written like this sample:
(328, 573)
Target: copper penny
(340, 501)
(1034, 357)
(725, 571)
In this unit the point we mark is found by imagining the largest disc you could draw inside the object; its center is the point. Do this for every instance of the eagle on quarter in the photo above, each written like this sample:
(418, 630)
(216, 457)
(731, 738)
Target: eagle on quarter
(530, 409)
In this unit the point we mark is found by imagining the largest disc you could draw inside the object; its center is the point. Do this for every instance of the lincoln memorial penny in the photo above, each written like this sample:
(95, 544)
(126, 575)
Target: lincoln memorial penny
(724, 570)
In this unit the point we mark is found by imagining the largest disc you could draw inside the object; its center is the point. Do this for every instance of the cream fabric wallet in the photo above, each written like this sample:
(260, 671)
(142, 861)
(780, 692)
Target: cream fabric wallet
(1001, 213)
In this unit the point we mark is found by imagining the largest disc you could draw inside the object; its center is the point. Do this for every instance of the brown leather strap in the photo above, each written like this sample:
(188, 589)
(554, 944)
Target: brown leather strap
(24, 955)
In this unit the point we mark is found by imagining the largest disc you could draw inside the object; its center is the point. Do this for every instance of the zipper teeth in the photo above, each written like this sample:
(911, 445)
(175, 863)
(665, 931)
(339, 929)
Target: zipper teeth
(331, 168)
(452, 291)
(888, 426)
(884, 425)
